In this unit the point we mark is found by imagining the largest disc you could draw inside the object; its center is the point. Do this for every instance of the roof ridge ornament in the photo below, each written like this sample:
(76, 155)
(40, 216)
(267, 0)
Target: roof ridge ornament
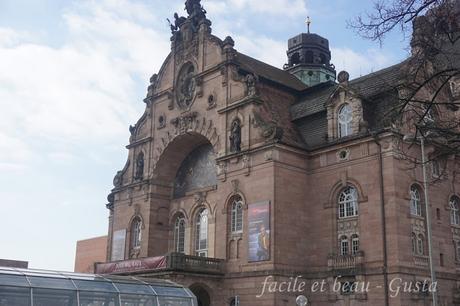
(308, 22)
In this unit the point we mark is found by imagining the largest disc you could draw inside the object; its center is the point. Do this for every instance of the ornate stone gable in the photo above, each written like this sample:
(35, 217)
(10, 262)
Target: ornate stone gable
(344, 95)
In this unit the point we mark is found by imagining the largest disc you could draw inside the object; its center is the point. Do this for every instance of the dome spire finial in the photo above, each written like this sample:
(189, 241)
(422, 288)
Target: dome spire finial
(308, 22)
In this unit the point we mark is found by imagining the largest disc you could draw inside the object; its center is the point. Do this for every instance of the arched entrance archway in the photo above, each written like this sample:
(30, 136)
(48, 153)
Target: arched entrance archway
(202, 295)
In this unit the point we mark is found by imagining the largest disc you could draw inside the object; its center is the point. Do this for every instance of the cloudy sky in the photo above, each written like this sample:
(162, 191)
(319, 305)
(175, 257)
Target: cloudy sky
(72, 78)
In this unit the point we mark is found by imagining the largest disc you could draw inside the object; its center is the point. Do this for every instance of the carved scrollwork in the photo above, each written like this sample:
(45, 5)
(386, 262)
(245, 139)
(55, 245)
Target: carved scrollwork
(184, 123)
(270, 131)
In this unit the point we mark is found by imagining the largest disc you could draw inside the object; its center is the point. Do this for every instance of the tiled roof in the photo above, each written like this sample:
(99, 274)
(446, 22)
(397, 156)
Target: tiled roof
(269, 72)
(379, 81)
(314, 98)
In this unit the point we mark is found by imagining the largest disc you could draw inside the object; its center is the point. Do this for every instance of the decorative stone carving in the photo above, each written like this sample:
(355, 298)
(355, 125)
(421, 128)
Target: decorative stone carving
(161, 121)
(184, 123)
(200, 197)
(199, 86)
(178, 22)
(236, 186)
(139, 174)
(343, 77)
(235, 136)
(185, 86)
(151, 88)
(246, 164)
(118, 179)
(212, 103)
(251, 82)
(269, 130)
(228, 42)
(196, 12)
(343, 155)
(222, 169)
(132, 129)
(170, 96)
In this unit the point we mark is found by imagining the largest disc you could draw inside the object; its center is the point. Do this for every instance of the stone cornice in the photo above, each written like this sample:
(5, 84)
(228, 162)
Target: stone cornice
(240, 103)
(139, 142)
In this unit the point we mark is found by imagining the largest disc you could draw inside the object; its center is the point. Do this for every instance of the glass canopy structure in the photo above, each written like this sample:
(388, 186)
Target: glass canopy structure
(20, 287)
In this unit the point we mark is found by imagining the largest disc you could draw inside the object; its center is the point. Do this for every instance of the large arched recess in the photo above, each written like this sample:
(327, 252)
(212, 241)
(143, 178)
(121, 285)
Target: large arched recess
(174, 154)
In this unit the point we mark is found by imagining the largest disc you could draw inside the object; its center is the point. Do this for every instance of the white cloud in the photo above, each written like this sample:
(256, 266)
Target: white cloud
(262, 48)
(84, 90)
(360, 63)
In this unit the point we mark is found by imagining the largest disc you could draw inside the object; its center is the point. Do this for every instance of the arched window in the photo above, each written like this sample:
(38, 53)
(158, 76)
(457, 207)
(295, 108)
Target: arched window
(414, 243)
(237, 215)
(354, 244)
(348, 203)
(343, 245)
(201, 233)
(420, 245)
(136, 233)
(415, 202)
(345, 117)
(454, 211)
(179, 234)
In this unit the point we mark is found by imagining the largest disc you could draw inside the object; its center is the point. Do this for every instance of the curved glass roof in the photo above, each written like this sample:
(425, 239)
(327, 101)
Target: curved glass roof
(121, 287)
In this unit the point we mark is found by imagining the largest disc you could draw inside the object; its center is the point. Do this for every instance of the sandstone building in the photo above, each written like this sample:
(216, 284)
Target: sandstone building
(239, 170)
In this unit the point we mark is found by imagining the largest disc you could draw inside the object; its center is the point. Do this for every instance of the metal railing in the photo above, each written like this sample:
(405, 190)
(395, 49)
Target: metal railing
(182, 262)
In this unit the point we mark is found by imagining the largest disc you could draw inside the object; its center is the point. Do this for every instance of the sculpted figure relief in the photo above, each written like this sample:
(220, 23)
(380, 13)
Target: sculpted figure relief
(251, 81)
(139, 175)
(235, 136)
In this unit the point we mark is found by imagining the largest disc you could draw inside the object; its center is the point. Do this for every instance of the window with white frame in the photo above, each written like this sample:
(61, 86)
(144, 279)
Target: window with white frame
(420, 244)
(201, 233)
(345, 118)
(348, 203)
(179, 234)
(415, 202)
(136, 233)
(454, 210)
(344, 246)
(237, 215)
(354, 244)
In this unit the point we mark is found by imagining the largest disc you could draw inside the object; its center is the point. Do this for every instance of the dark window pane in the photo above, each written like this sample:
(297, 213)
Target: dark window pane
(52, 283)
(95, 286)
(50, 297)
(10, 296)
(13, 280)
(98, 299)
(137, 300)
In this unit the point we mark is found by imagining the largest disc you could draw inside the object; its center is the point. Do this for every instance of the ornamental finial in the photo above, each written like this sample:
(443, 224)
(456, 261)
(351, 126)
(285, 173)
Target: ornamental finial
(308, 22)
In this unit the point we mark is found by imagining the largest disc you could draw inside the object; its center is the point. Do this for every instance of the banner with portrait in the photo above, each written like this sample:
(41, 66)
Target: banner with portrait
(259, 231)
